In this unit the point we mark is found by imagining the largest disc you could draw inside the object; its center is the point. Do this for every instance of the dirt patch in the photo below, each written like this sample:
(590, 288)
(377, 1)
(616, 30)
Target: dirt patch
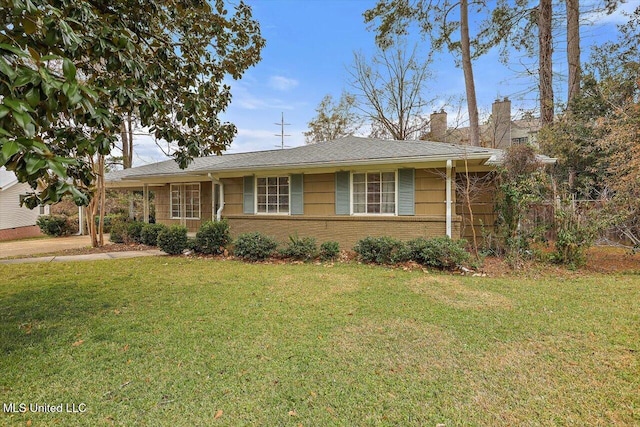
(600, 259)
(450, 291)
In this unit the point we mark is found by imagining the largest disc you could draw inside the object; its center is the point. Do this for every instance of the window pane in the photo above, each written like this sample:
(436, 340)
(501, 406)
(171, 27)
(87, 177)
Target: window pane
(388, 209)
(272, 181)
(358, 208)
(389, 187)
(373, 208)
(358, 178)
(373, 177)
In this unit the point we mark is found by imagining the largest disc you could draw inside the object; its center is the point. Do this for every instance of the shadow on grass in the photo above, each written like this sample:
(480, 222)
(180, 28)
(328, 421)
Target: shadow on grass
(34, 317)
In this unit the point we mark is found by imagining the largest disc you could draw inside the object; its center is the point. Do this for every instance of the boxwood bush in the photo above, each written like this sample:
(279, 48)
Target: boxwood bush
(213, 237)
(439, 252)
(118, 231)
(56, 225)
(133, 232)
(380, 250)
(173, 240)
(329, 250)
(254, 246)
(149, 233)
(303, 249)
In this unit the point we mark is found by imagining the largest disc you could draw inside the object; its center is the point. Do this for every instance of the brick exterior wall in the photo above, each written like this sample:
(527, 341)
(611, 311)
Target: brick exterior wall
(345, 230)
(20, 232)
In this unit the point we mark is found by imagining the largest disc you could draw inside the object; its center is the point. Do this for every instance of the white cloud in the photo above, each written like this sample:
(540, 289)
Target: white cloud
(282, 83)
(618, 17)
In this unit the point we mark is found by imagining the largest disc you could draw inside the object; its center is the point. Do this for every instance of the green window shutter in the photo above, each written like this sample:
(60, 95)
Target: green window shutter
(296, 205)
(342, 193)
(248, 195)
(406, 192)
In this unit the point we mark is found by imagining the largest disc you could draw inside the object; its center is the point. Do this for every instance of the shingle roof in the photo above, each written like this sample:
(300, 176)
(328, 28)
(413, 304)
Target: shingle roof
(348, 150)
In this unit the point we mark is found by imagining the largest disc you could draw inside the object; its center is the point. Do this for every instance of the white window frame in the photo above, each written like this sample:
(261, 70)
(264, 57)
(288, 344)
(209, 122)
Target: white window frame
(255, 201)
(183, 200)
(395, 197)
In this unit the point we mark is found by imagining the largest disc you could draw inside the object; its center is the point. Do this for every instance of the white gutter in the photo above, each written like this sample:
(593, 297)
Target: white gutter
(448, 197)
(215, 181)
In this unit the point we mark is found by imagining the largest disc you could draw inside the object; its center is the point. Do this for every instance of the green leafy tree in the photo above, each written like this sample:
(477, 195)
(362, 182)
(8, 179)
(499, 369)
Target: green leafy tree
(71, 69)
(333, 120)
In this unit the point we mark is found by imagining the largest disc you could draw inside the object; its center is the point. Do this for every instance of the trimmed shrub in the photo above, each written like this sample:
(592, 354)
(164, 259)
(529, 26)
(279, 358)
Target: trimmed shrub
(380, 250)
(173, 240)
(118, 232)
(149, 233)
(254, 246)
(133, 232)
(329, 250)
(303, 249)
(55, 225)
(108, 221)
(439, 252)
(213, 237)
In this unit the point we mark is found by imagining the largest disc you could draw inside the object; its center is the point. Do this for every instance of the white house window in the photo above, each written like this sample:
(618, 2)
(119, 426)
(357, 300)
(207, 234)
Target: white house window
(520, 140)
(273, 195)
(374, 193)
(185, 201)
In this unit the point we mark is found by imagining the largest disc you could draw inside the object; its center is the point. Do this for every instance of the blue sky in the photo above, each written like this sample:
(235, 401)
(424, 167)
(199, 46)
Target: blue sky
(309, 46)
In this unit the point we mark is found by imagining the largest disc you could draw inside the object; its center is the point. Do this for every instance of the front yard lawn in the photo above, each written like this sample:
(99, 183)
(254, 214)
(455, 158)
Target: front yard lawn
(193, 342)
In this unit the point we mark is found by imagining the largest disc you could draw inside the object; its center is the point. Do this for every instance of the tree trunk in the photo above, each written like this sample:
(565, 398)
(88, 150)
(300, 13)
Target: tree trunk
(126, 133)
(472, 104)
(545, 70)
(573, 48)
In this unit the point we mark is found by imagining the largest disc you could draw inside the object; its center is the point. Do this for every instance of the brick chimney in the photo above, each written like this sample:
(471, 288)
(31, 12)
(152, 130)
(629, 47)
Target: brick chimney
(438, 126)
(501, 115)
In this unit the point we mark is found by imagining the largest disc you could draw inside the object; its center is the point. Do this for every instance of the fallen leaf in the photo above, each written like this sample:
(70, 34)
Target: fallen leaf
(29, 423)
(292, 413)
(116, 311)
(125, 348)
(218, 414)
(77, 343)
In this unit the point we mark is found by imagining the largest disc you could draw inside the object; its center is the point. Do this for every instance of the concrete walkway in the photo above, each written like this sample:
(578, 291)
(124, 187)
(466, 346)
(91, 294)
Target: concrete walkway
(88, 257)
(44, 245)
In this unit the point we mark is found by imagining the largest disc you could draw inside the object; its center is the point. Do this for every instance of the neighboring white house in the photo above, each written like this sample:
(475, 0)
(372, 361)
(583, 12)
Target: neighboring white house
(16, 221)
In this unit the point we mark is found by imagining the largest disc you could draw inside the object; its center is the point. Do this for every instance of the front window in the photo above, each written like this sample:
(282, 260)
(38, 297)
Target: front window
(185, 201)
(374, 193)
(273, 195)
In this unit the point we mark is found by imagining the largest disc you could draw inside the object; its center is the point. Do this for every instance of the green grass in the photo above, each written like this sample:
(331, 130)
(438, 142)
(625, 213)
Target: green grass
(187, 342)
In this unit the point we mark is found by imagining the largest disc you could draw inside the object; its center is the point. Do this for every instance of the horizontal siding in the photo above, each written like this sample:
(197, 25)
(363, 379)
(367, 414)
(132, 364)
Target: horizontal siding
(430, 191)
(11, 214)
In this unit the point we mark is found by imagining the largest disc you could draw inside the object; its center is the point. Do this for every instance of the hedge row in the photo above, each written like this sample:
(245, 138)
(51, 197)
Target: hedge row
(438, 252)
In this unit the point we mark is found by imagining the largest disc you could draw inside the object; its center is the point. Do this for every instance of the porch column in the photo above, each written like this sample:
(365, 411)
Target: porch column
(448, 199)
(145, 202)
(81, 220)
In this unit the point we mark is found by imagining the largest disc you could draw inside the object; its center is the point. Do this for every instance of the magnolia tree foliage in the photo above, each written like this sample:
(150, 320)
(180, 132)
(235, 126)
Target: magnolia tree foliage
(70, 69)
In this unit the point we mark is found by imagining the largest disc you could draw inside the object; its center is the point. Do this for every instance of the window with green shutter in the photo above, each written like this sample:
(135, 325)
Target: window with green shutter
(296, 188)
(406, 192)
(343, 200)
(248, 195)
